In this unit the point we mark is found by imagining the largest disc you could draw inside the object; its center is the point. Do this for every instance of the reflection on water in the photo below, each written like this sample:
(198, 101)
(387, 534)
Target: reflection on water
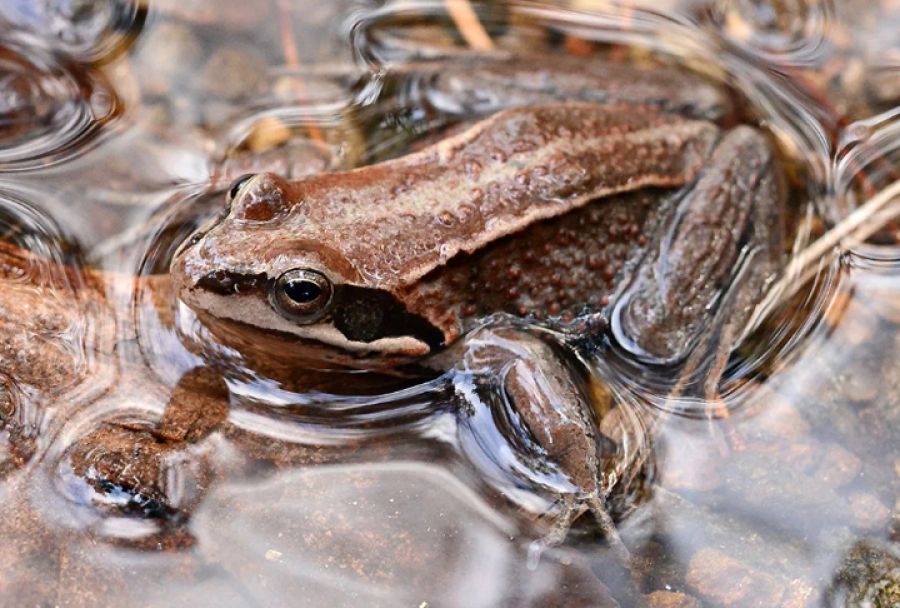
(121, 126)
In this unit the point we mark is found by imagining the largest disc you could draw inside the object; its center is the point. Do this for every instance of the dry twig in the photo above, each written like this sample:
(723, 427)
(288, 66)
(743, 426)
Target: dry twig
(853, 230)
(469, 26)
(292, 61)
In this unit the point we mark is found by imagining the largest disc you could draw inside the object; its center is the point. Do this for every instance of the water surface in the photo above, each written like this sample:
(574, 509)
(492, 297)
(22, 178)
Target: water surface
(121, 125)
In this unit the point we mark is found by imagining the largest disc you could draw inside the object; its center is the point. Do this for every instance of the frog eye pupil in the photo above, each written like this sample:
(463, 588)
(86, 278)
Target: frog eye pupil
(302, 292)
(302, 295)
(237, 184)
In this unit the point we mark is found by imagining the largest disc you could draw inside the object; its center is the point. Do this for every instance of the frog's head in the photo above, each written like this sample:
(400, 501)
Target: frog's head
(281, 262)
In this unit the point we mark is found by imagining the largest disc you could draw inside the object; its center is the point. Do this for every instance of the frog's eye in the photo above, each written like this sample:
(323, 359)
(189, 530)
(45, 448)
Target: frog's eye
(237, 185)
(302, 295)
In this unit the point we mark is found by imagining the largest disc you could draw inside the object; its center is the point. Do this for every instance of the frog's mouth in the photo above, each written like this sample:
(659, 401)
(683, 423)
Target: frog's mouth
(363, 322)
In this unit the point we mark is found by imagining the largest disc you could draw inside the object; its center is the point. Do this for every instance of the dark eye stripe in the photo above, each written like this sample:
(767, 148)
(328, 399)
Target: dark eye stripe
(231, 283)
(365, 315)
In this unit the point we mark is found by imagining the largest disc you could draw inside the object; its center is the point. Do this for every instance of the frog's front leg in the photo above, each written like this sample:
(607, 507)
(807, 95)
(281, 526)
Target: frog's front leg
(199, 403)
(553, 404)
(694, 294)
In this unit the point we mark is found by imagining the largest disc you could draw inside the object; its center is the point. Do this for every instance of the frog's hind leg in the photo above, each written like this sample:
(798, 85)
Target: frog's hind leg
(705, 366)
(555, 407)
(724, 246)
(757, 263)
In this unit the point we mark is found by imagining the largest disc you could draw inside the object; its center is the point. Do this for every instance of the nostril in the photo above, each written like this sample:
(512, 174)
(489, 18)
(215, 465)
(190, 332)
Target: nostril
(237, 185)
(261, 199)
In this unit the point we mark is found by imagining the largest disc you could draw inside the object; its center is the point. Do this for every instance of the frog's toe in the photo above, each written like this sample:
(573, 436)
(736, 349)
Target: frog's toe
(600, 511)
(571, 510)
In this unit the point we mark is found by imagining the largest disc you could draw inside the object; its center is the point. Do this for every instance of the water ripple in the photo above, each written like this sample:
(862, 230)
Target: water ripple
(868, 154)
(792, 32)
(26, 227)
(48, 109)
(87, 32)
(386, 36)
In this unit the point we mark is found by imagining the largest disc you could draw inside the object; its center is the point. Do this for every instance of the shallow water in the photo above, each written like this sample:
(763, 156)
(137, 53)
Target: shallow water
(121, 126)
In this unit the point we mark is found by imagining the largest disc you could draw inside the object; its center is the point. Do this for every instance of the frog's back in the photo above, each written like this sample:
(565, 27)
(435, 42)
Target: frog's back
(563, 267)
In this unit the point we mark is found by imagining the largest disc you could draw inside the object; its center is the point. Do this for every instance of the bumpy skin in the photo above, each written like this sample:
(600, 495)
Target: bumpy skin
(562, 267)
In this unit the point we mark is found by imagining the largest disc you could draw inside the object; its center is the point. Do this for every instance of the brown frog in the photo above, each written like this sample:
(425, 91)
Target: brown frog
(605, 202)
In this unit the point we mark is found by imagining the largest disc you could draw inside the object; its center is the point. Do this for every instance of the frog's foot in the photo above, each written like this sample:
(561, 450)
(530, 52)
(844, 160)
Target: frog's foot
(571, 510)
(198, 405)
(598, 508)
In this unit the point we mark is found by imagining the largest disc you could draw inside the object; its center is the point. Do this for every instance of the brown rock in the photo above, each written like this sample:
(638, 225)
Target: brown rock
(722, 579)
(868, 576)
(671, 599)
(869, 513)
(775, 416)
(837, 467)
(136, 472)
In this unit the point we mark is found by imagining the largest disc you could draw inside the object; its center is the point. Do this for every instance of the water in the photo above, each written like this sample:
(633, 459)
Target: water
(121, 126)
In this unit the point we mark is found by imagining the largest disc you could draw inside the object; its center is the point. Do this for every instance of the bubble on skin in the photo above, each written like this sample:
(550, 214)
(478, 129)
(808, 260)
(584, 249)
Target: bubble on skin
(47, 111)
(445, 219)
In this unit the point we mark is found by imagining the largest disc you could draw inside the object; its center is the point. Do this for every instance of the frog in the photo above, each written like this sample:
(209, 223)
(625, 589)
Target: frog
(614, 204)
(609, 206)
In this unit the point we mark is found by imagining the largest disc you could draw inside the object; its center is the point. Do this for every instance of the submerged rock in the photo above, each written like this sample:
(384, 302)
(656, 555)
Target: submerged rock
(869, 577)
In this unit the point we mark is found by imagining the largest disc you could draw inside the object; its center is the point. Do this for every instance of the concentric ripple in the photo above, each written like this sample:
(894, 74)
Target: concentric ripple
(791, 31)
(48, 111)
(86, 31)
(868, 155)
